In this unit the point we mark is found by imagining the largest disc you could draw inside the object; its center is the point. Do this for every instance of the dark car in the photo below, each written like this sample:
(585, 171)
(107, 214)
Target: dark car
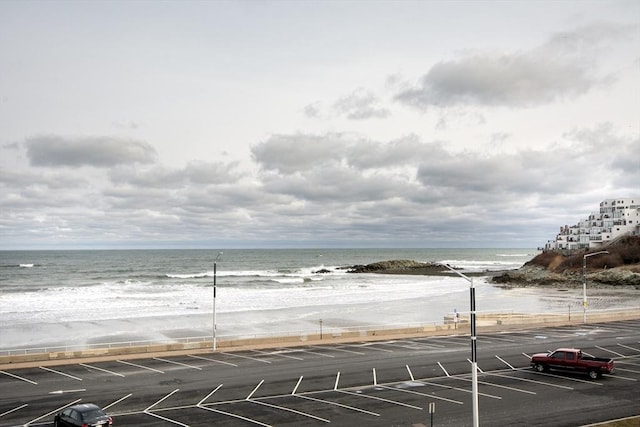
(82, 415)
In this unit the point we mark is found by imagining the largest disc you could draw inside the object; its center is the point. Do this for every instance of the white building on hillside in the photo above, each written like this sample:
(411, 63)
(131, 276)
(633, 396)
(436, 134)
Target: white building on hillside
(617, 217)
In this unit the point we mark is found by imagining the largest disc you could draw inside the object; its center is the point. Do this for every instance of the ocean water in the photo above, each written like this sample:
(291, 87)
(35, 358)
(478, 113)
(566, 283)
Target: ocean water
(75, 297)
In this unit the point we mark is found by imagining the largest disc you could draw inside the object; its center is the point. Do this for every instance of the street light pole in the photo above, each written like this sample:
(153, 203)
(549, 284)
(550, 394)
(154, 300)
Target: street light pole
(474, 360)
(214, 299)
(584, 283)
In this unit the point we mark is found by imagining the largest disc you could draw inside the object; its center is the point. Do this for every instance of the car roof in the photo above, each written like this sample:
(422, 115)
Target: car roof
(85, 407)
(568, 349)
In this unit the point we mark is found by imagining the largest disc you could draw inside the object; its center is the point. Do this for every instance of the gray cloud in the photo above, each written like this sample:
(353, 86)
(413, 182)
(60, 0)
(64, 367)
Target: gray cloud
(330, 187)
(197, 173)
(56, 151)
(359, 105)
(564, 67)
(312, 110)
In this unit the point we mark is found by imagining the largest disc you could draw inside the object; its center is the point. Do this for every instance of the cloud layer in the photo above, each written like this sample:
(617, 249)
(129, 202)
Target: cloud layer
(562, 68)
(101, 152)
(314, 188)
(381, 123)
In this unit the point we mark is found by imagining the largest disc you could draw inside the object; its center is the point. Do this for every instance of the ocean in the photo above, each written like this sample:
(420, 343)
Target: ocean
(93, 296)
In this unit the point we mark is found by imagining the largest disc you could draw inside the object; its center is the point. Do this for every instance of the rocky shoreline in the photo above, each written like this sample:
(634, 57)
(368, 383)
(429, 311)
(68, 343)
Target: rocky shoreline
(616, 265)
(526, 276)
(408, 267)
(541, 277)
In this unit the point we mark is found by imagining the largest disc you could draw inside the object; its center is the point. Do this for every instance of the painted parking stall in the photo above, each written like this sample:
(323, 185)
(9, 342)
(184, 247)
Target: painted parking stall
(370, 383)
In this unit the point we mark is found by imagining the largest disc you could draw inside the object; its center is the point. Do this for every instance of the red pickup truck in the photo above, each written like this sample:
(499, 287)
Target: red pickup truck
(572, 359)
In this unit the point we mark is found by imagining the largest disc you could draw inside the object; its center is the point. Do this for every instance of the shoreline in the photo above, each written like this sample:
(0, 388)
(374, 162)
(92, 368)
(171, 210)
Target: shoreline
(526, 300)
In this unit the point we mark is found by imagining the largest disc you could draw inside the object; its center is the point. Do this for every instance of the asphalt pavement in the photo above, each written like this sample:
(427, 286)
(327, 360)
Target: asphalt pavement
(394, 382)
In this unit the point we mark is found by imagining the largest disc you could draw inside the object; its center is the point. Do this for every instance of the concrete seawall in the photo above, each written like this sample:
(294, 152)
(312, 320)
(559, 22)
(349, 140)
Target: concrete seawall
(484, 323)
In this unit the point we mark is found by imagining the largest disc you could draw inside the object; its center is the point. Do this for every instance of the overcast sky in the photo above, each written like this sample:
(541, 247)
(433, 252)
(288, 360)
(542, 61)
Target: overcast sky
(313, 123)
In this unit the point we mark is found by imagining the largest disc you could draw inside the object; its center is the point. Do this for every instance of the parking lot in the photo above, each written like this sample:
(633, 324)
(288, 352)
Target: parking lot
(393, 382)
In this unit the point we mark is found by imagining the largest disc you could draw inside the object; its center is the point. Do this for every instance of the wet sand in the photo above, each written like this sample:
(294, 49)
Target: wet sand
(310, 319)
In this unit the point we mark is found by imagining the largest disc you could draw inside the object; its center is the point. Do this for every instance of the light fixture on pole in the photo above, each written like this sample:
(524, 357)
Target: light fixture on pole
(474, 360)
(584, 283)
(214, 299)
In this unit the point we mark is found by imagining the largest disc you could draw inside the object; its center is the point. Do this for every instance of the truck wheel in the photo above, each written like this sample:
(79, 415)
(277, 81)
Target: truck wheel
(540, 367)
(593, 374)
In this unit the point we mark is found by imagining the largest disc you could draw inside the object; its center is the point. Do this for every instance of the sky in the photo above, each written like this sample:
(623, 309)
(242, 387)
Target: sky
(250, 124)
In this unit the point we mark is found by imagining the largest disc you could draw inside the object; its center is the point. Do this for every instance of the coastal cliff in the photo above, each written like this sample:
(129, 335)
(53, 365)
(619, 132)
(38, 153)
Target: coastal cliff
(620, 267)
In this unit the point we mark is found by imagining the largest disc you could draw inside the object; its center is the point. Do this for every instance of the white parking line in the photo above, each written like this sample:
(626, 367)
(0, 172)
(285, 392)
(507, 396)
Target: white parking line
(410, 373)
(254, 390)
(369, 346)
(633, 371)
(14, 409)
(464, 390)
(611, 351)
(230, 414)
(338, 349)
(429, 342)
(618, 377)
(310, 352)
(60, 373)
(274, 353)
(411, 345)
(340, 405)
(626, 362)
(430, 396)
(19, 378)
(630, 348)
(444, 370)
(284, 408)
(177, 363)
(501, 339)
(457, 341)
(297, 385)
(140, 366)
(505, 362)
(212, 360)
(101, 369)
(117, 401)
(52, 412)
(246, 357)
(501, 386)
(380, 399)
(527, 380)
(164, 398)
(166, 419)
(209, 395)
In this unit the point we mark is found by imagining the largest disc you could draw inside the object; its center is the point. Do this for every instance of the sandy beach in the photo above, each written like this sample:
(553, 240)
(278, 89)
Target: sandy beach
(310, 319)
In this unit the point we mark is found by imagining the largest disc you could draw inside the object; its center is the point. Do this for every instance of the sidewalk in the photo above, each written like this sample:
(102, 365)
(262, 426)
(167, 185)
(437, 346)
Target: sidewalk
(484, 324)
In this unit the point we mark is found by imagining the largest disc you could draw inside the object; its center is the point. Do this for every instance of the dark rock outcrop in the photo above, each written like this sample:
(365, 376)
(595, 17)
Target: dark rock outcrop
(620, 267)
(401, 266)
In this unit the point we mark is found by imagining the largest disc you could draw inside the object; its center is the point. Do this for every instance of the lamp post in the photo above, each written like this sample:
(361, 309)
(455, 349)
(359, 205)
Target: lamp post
(584, 283)
(474, 361)
(214, 299)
